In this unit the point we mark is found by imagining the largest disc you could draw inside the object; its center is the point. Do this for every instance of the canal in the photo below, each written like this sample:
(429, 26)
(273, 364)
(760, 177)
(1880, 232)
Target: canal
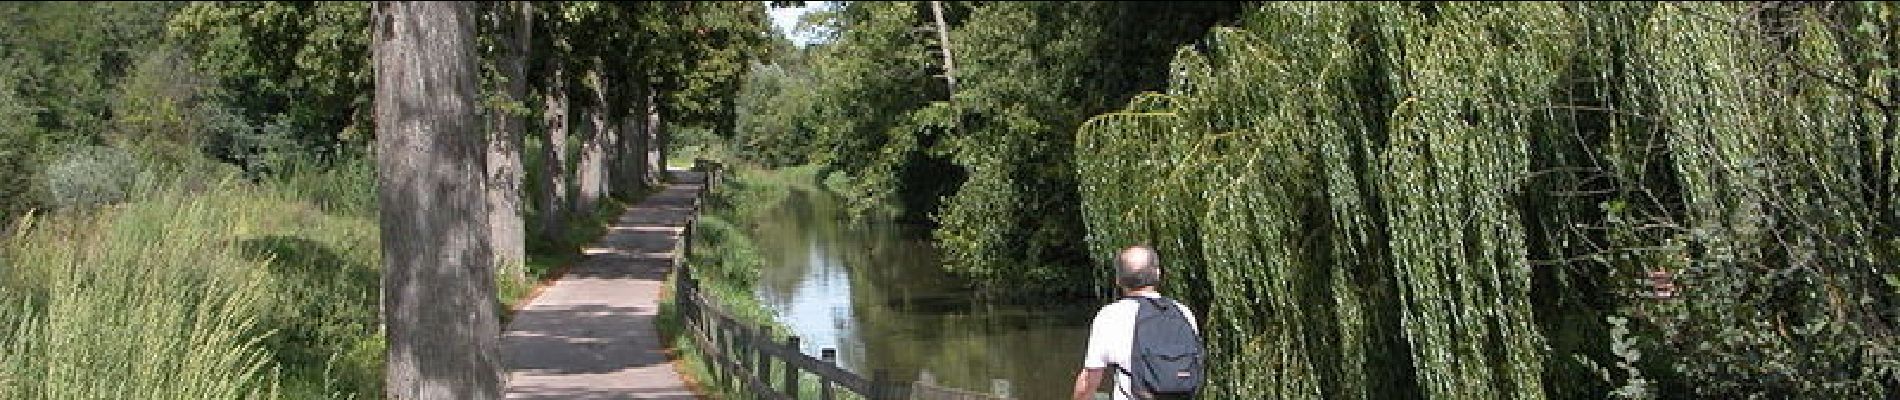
(877, 293)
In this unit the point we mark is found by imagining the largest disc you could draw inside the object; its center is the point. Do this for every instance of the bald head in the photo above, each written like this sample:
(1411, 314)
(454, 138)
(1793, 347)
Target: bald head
(1137, 267)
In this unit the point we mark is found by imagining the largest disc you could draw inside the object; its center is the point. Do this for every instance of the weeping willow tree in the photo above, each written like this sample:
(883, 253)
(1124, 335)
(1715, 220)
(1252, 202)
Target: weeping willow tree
(1447, 200)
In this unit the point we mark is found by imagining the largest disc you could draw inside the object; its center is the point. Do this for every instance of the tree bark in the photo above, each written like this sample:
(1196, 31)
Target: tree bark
(438, 289)
(514, 20)
(633, 144)
(592, 168)
(553, 213)
(656, 141)
(943, 41)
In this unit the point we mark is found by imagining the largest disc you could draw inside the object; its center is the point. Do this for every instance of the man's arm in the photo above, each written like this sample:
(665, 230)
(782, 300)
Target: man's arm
(1086, 382)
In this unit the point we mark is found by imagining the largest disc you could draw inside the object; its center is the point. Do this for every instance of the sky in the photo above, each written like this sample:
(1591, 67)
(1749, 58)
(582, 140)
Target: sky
(784, 19)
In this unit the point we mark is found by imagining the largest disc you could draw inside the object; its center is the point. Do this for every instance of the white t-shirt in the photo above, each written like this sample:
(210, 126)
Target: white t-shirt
(1112, 338)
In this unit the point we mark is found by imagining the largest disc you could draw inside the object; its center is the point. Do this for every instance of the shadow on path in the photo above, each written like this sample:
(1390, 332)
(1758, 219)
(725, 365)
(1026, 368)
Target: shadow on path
(590, 335)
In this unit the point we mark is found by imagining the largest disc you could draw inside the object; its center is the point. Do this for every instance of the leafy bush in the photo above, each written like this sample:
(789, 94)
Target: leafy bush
(90, 176)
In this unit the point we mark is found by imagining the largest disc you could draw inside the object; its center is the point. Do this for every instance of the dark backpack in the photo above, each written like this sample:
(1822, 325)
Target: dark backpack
(1166, 361)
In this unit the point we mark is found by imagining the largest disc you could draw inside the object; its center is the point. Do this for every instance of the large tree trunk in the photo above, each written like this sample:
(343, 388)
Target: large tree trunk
(592, 166)
(656, 141)
(554, 155)
(515, 19)
(438, 303)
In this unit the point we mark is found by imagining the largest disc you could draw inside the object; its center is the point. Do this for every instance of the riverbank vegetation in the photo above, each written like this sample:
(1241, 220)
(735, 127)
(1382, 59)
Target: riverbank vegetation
(990, 163)
(727, 262)
(188, 202)
(1400, 200)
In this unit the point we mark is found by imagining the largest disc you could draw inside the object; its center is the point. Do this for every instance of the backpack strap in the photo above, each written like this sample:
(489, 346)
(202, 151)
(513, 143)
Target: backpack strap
(1131, 381)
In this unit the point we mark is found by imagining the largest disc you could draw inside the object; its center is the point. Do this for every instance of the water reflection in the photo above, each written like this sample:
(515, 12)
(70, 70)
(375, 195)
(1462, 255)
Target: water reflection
(877, 294)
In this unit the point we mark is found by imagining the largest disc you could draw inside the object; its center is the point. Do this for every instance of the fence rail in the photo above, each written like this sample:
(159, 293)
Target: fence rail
(741, 355)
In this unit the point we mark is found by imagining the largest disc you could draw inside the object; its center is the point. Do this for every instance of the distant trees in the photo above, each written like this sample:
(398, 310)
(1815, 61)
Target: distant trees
(994, 172)
(298, 71)
(62, 65)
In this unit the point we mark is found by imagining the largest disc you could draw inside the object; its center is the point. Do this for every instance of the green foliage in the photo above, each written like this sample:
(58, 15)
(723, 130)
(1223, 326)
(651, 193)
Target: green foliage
(19, 155)
(723, 40)
(1778, 234)
(989, 165)
(849, 105)
(90, 176)
(1031, 73)
(300, 65)
(775, 109)
(1447, 200)
(737, 260)
(65, 57)
(164, 109)
(346, 187)
(58, 64)
(695, 54)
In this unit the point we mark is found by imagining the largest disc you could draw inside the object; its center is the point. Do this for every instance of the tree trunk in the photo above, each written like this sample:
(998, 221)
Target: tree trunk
(592, 168)
(553, 213)
(633, 144)
(656, 141)
(630, 166)
(943, 41)
(504, 142)
(438, 292)
(612, 185)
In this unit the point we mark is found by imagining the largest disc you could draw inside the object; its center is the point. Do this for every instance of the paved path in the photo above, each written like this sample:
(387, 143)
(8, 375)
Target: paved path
(590, 335)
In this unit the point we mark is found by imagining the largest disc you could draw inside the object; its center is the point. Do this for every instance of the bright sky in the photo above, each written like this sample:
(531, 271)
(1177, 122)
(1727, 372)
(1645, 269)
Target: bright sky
(785, 19)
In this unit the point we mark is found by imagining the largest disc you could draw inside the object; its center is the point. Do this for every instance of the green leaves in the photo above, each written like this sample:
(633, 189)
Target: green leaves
(1398, 200)
(308, 62)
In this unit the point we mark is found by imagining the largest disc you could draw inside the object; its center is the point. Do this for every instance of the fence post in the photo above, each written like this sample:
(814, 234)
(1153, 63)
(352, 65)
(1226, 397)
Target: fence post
(1000, 388)
(791, 372)
(716, 333)
(925, 382)
(686, 238)
(829, 356)
(736, 353)
(764, 363)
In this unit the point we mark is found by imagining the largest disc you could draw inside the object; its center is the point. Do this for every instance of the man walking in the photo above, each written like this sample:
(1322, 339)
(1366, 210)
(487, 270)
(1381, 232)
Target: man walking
(1168, 358)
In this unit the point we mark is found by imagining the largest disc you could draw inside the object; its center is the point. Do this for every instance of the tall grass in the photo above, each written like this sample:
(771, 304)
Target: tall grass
(204, 286)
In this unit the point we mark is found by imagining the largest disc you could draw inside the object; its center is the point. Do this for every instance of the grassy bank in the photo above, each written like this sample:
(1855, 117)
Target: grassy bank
(205, 286)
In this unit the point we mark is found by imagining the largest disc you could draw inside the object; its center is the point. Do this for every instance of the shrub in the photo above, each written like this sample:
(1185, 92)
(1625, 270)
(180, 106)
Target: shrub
(90, 176)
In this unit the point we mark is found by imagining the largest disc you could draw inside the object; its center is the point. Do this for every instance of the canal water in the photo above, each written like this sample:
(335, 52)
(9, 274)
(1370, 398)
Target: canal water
(877, 293)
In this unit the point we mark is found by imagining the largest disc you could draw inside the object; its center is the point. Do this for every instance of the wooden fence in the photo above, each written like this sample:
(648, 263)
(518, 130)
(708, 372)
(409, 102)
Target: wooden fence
(744, 356)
